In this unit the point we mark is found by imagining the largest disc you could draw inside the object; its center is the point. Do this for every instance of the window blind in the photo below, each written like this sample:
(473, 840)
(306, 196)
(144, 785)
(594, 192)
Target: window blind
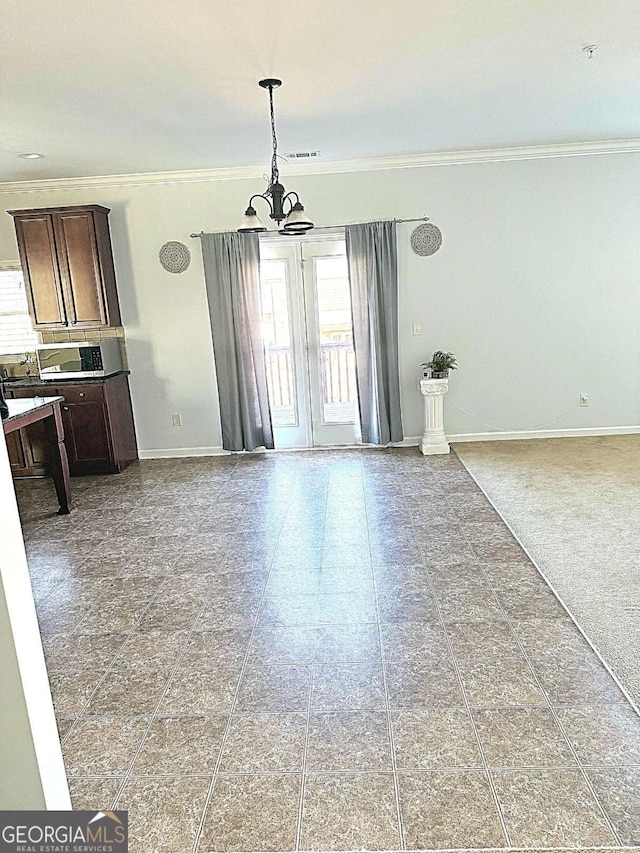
(16, 333)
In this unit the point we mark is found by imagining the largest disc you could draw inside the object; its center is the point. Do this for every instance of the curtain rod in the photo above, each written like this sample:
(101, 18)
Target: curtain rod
(323, 227)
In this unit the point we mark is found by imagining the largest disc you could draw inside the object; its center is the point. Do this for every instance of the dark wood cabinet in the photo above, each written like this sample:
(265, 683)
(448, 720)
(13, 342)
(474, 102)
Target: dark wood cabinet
(99, 433)
(98, 426)
(86, 434)
(67, 262)
(27, 447)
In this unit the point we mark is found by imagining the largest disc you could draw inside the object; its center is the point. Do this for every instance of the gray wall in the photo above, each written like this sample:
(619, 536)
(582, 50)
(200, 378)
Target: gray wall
(20, 784)
(535, 287)
(32, 774)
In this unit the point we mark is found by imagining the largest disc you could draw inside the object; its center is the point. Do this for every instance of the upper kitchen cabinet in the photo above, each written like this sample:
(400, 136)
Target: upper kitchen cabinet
(67, 263)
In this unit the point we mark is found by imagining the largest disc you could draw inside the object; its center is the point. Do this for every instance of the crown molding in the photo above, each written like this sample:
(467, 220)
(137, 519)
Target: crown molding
(371, 164)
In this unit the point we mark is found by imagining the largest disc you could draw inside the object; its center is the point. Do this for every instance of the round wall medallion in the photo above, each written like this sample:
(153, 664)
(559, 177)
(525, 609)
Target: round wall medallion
(175, 257)
(426, 239)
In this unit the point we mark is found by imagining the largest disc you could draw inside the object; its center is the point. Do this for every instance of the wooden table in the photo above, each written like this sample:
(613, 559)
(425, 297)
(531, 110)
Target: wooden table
(30, 409)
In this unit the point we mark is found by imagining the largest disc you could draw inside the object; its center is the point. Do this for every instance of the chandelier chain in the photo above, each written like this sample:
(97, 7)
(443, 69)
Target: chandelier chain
(275, 172)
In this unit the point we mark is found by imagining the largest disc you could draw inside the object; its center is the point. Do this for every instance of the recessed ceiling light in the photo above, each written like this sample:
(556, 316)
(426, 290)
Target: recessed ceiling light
(30, 155)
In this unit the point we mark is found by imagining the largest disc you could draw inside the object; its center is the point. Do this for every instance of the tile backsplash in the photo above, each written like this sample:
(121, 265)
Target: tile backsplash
(64, 336)
(12, 363)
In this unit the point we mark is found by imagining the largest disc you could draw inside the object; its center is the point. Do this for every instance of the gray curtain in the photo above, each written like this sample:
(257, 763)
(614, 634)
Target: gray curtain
(232, 275)
(373, 274)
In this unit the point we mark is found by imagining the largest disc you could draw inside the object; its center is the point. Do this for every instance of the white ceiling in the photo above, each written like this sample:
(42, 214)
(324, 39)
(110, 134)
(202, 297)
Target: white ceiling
(130, 86)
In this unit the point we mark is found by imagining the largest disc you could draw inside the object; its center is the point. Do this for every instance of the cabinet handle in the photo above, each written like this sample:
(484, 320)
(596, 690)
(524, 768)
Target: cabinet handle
(66, 408)
(81, 394)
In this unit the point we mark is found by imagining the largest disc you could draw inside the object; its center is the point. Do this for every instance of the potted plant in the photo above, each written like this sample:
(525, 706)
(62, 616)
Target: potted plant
(440, 365)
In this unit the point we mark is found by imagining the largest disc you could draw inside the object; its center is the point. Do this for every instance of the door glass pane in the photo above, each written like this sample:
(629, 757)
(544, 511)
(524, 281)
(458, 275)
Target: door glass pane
(337, 359)
(276, 333)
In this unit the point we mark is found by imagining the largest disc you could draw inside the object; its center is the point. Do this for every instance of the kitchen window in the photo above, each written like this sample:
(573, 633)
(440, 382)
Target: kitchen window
(16, 333)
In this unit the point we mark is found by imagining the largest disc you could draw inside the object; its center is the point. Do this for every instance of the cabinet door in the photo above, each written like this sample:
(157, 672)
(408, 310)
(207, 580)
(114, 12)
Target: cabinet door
(85, 436)
(16, 453)
(36, 243)
(28, 446)
(80, 268)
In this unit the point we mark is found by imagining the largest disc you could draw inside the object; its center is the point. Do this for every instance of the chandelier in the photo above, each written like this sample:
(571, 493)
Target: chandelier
(281, 204)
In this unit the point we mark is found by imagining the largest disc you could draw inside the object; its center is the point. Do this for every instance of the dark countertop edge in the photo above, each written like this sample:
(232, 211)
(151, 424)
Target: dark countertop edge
(37, 403)
(52, 383)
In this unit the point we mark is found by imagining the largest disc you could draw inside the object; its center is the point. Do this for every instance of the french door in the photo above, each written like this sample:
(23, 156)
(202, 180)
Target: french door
(308, 340)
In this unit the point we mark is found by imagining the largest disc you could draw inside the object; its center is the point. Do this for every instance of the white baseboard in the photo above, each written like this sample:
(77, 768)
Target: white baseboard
(516, 435)
(180, 452)
(414, 440)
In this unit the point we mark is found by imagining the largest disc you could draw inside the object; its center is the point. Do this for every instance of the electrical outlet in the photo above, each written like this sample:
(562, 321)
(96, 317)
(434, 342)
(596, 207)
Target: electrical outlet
(584, 399)
(417, 329)
(176, 419)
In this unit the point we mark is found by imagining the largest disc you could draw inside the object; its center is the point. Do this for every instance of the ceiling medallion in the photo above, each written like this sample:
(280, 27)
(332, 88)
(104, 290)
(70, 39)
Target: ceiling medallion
(426, 239)
(174, 256)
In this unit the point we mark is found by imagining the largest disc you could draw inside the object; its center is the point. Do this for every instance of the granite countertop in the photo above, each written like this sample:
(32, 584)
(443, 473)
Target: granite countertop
(17, 408)
(28, 381)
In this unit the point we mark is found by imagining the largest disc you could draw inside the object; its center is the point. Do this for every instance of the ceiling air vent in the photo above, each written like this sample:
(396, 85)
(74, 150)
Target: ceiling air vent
(303, 155)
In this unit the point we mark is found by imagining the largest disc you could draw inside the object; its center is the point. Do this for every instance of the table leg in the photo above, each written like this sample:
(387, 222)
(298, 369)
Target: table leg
(58, 461)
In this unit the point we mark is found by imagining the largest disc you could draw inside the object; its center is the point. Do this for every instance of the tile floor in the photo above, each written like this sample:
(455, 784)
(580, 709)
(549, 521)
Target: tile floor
(321, 651)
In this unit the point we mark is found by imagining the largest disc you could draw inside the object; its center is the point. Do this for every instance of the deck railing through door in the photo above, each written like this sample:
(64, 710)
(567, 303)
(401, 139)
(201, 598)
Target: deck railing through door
(338, 374)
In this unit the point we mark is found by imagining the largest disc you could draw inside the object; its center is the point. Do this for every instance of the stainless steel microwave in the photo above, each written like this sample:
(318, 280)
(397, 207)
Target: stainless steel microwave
(78, 360)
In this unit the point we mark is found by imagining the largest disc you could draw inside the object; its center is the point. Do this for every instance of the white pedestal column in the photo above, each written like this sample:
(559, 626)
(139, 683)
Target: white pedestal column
(433, 439)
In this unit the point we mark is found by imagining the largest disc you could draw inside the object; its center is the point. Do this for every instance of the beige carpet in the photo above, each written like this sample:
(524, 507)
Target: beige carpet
(575, 506)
